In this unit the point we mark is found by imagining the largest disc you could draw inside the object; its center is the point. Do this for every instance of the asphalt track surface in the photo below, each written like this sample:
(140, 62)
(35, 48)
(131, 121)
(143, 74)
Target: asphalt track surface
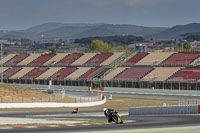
(141, 122)
(136, 95)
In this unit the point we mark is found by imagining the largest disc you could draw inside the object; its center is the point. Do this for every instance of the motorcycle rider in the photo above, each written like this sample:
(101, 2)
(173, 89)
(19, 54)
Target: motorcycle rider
(108, 114)
(75, 110)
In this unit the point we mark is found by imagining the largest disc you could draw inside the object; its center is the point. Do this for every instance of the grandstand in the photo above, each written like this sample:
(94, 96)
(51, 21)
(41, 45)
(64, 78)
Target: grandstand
(55, 59)
(154, 69)
(114, 73)
(181, 59)
(91, 73)
(154, 58)
(80, 71)
(35, 73)
(196, 62)
(64, 72)
(189, 74)
(29, 59)
(83, 59)
(47, 74)
(111, 59)
(135, 59)
(98, 59)
(161, 73)
(16, 59)
(133, 73)
(42, 59)
(9, 72)
(3, 69)
(69, 59)
(21, 73)
(7, 58)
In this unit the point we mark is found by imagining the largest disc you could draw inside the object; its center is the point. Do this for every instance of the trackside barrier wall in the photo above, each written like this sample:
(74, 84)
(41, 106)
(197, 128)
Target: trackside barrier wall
(50, 105)
(155, 110)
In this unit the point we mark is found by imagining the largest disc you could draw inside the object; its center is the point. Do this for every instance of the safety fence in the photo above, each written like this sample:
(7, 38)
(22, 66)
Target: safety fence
(172, 85)
(156, 110)
(189, 101)
(87, 99)
(52, 98)
(15, 99)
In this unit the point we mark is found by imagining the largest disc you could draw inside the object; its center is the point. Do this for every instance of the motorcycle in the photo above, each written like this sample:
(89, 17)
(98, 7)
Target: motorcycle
(116, 118)
(75, 111)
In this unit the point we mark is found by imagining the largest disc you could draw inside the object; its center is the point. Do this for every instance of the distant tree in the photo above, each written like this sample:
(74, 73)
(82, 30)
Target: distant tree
(186, 46)
(52, 50)
(100, 46)
(191, 36)
(176, 47)
(124, 40)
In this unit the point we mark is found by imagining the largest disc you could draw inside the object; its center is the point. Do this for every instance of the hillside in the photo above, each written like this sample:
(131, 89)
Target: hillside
(14, 93)
(194, 36)
(176, 31)
(53, 25)
(73, 31)
(45, 27)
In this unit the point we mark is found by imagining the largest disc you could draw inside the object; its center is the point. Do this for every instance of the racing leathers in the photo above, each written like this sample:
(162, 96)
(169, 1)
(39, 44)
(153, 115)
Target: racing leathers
(108, 114)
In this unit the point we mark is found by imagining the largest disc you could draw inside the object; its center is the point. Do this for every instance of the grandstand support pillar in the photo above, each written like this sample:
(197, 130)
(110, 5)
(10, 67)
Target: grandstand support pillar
(196, 85)
(163, 85)
(1, 63)
(171, 85)
(118, 83)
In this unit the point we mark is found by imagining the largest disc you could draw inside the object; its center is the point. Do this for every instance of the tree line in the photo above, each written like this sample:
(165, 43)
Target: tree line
(123, 40)
(191, 36)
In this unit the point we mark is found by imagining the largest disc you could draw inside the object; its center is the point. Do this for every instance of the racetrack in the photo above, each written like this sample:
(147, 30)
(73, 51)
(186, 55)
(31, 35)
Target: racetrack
(140, 122)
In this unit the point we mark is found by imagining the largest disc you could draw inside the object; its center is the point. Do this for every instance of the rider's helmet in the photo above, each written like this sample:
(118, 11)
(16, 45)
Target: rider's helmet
(104, 109)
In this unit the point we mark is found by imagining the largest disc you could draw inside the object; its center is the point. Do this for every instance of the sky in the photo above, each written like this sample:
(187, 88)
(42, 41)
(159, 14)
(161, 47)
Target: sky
(22, 14)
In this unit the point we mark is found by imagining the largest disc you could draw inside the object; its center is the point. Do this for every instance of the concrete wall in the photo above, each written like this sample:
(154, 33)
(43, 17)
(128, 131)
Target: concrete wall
(50, 105)
(182, 109)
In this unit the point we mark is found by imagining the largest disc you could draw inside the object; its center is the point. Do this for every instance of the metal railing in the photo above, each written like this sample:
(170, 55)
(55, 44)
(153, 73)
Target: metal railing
(12, 99)
(172, 85)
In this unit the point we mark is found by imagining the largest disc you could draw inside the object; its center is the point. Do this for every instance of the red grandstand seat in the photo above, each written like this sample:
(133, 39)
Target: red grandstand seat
(8, 73)
(133, 73)
(135, 58)
(188, 74)
(69, 59)
(64, 72)
(42, 59)
(16, 59)
(98, 59)
(91, 73)
(35, 73)
(181, 59)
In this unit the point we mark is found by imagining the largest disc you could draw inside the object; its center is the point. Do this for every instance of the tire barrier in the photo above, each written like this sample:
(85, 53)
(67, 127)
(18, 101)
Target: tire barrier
(156, 110)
